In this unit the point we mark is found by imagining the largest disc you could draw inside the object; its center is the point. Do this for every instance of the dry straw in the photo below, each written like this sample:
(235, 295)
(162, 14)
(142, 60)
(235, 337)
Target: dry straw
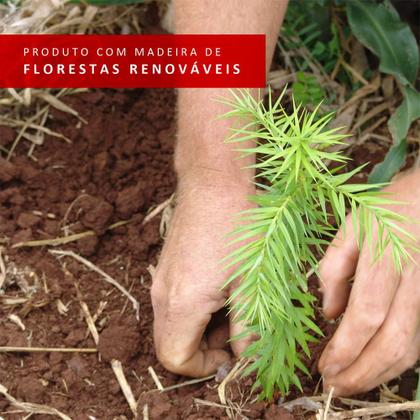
(32, 408)
(27, 111)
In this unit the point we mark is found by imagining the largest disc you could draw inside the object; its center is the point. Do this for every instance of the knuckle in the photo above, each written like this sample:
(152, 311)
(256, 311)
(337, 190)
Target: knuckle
(157, 295)
(397, 353)
(338, 352)
(177, 306)
(370, 318)
(344, 387)
(172, 362)
(352, 383)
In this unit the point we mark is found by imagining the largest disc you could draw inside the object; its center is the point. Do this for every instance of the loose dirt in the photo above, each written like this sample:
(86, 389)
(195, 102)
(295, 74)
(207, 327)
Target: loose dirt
(117, 167)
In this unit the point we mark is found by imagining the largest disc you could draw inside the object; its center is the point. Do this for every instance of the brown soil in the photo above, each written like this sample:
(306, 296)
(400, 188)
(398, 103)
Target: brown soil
(117, 167)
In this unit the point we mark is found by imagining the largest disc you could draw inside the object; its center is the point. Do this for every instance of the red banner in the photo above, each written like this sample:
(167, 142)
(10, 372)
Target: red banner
(130, 61)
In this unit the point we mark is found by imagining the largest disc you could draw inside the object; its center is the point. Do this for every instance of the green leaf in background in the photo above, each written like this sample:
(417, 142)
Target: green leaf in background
(307, 90)
(380, 29)
(398, 125)
(406, 113)
(393, 162)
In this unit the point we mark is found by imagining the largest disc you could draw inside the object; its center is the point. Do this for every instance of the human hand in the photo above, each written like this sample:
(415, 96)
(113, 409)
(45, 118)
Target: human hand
(186, 288)
(379, 335)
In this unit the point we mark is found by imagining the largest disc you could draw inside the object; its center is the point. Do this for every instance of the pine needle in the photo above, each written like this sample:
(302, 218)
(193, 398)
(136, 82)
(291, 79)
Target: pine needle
(280, 240)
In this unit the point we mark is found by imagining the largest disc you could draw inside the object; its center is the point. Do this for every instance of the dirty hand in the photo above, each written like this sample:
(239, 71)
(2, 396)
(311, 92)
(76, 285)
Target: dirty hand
(379, 335)
(187, 284)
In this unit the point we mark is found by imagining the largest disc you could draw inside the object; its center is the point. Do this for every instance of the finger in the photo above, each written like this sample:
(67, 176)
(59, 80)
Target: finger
(349, 383)
(203, 344)
(370, 299)
(178, 334)
(394, 349)
(237, 328)
(179, 351)
(336, 268)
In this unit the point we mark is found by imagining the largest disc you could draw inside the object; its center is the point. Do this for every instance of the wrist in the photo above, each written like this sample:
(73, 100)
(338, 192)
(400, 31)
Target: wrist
(202, 157)
(206, 177)
(203, 163)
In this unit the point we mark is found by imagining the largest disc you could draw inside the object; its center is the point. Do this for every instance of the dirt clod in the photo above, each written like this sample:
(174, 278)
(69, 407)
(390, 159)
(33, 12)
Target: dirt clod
(120, 340)
(22, 235)
(130, 200)
(277, 413)
(75, 337)
(8, 170)
(7, 135)
(27, 220)
(30, 389)
(97, 214)
(88, 245)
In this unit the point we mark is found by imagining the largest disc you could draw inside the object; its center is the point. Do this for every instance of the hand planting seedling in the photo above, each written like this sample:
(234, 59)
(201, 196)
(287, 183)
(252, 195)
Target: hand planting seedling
(300, 203)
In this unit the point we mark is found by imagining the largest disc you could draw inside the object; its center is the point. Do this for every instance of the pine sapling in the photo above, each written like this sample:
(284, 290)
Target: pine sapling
(300, 203)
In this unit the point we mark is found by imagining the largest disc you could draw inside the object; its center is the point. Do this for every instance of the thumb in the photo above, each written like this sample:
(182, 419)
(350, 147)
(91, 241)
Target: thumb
(336, 269)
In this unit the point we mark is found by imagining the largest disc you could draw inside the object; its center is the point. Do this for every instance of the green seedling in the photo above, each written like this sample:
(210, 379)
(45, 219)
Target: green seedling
(299, 205)
(306, 89)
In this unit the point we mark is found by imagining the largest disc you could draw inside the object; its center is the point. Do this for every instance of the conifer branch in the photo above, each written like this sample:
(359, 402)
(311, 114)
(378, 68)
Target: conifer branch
(302, 202)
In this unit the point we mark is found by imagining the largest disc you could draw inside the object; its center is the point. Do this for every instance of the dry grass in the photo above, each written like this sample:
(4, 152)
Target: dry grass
(183, 384)
(32, 408)
(27, 111)
(125, 387)
(2, 268)
(89, 321)
(234, 408)
(380, 411)
(165, 207)
(155, 378)
(106, 277)
(65, 239)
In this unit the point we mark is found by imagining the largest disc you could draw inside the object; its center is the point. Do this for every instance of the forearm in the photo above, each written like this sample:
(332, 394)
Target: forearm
(201, 151)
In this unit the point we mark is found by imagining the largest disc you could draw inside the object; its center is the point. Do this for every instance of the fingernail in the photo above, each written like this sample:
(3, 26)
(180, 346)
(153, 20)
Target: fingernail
(327, 386)
(324, 300)
(326, 303)
(331, 370)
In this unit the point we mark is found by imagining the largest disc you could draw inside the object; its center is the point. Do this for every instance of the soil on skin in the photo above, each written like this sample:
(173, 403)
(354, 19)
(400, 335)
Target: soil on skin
(117, 167)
